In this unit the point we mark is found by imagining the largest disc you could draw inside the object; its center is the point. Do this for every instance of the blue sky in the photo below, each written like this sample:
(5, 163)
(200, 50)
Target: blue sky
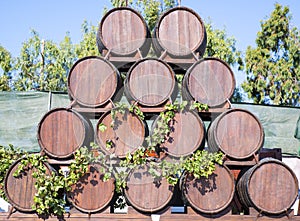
(52, 19)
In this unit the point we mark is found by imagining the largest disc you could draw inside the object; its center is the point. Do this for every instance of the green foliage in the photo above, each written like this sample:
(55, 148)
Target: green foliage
(221, 46)
(48, 184)
(6, 63)
(8, 155)
(42, 65)
(88, 45)
(272, 68)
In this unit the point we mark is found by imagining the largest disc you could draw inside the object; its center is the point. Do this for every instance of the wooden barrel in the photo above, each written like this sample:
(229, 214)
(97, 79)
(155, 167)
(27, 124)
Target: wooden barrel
(123, 32)
(270, 187)
(186, 136)
(180, 32)
(20, 190)
(150, 82)
(62, 131)
(91, 194)
(146, 193)
(237, 133)
(125, 136)
(93, 81)
(209, 195)
(209, 81)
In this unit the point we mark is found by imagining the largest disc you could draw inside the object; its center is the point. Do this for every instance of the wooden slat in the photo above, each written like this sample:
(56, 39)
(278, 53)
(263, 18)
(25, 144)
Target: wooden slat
(142, 217)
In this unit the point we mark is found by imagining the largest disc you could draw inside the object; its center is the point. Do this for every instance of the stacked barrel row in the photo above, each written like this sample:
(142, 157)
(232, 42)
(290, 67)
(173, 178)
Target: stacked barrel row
(95, 83)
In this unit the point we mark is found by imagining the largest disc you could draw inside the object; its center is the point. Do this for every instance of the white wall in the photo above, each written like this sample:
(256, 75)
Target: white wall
(294, 164)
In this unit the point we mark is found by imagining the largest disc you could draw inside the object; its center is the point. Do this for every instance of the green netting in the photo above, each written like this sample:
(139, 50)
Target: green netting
(279, 125)
(20, 113)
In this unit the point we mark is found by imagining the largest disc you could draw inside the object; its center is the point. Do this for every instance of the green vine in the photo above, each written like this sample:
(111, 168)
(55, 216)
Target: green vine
(8, 155)
(48, 185)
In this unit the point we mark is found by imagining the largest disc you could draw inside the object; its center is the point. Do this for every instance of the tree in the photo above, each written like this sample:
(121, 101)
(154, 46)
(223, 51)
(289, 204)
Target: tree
(6, 64)
(43, 65)
(272, 68)
(87, 45)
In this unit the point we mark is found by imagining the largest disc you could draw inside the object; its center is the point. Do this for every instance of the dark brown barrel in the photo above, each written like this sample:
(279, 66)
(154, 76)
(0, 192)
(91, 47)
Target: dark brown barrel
(150, 82)
(209, 81)
(62, 131)
(146, 193)
(180, 32)
(270, 187)
(209, 195)
(91, 194)
(20, 190)
(237, 133)
(123, 31)
(93, 81)
(127, 134)
(186, 136)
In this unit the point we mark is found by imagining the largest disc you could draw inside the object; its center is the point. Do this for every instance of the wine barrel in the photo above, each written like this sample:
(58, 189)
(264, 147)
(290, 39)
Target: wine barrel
(186, 136)
(93, 81)
(209, 81)
(91, 194)
(146, 193)
(20, 190)
(237, 133)
(123, 32)
(125, 133)
(209, 195)
(270, 187)
(180, 32)
(150, 82)
(62, 131)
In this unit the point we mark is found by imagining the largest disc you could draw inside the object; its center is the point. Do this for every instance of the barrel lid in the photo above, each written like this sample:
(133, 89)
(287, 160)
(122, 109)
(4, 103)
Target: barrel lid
(186, 136)
(180, 31)
(238, 133)
(123, 31)
(145, 192)
(92, 194)
(150, 82)
(210, 195)
(61, 132)
(20, 191)
(92, 81)
(272, 186)
(127, 133)
(210, 81)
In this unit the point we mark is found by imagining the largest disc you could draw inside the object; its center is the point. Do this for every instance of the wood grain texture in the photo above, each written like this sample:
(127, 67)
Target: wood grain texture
(93, 81)
(237, 133)
(62, 131)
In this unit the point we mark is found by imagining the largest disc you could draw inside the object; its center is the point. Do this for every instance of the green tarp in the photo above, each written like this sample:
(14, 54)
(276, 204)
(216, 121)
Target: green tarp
(20, 113)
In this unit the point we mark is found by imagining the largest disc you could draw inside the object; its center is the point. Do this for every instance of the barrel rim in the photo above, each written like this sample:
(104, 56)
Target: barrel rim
(100, 143)
(200, 143)
(158, 208)
(12, 166)
(130, 96)
(256, 167)
(180, 8)
(221, 208)
(105, 204)
(190, 69)
(147, 34)
(70, 91)
(259, 144)
(40, 142)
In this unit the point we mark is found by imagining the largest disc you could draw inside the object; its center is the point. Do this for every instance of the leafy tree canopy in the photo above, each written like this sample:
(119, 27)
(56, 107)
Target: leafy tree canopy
(272, 68)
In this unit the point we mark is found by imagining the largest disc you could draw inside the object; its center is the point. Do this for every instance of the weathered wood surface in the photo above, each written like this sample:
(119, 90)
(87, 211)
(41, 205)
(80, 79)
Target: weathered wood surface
(191, 215)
